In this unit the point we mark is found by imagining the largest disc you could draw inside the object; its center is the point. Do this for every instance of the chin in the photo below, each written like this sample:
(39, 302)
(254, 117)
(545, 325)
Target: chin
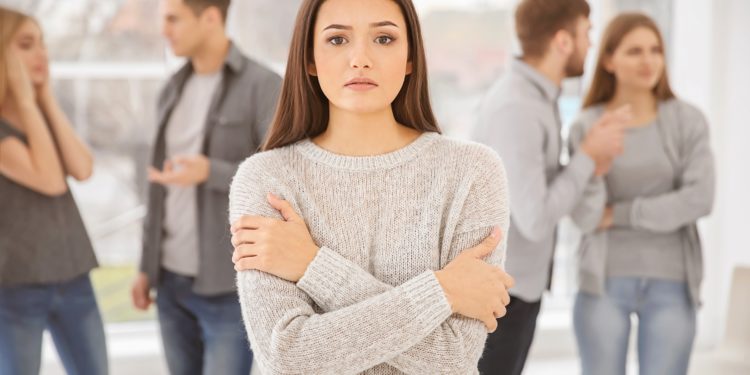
(361, 106)
(177, 51)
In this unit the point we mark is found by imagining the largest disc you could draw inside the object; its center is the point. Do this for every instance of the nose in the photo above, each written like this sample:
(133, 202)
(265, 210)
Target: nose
(360, 57)
(41, 53)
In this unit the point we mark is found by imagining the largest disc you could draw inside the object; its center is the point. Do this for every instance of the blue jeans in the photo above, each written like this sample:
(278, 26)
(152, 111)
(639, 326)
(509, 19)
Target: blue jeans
(666, 326)
(70, 313)
(201, 335)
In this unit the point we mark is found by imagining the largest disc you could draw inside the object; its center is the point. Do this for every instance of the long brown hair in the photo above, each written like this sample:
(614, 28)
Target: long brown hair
(604, 83)
(10, 22)
(302, 110)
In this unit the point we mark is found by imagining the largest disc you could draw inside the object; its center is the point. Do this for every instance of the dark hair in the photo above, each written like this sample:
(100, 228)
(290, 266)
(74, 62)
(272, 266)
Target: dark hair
(537, 22)
(604, 83)
(302, 111)
(198, 6)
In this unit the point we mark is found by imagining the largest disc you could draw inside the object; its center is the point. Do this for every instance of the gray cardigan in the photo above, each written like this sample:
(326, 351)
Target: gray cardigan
(685, 137)
(241, 110)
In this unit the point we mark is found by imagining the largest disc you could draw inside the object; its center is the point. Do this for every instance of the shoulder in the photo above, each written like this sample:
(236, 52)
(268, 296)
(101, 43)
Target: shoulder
(255, 71)
(513, 94)
(684, 109)
(469, 158)
(9, 132)
(264, 163)
(679, 113)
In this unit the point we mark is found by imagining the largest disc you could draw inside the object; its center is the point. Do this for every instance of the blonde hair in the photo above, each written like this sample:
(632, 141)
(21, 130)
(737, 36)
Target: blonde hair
(604, 83)
(10, 22)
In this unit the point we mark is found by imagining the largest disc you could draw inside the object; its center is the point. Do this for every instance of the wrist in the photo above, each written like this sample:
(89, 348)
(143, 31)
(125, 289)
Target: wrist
(586, 149)
(44, 96)
(312, 253)
(442, 279)
(206, 170)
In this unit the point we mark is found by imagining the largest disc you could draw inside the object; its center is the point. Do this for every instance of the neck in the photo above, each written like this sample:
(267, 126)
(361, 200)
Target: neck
(547, 66)
(210, 57)
(364, 134)
(642, 102)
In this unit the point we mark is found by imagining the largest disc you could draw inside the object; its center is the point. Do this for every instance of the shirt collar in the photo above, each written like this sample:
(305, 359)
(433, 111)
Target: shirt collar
(546, 87)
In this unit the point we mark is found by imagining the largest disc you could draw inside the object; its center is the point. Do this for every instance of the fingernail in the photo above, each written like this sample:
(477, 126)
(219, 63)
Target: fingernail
(495, 232)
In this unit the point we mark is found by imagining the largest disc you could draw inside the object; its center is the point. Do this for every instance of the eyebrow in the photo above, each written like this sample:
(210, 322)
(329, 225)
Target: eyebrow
(374, 24)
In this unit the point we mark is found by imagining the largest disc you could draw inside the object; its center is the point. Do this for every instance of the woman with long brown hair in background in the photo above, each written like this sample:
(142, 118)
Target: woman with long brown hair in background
(365, 240)
(45, 253)
(640, 254)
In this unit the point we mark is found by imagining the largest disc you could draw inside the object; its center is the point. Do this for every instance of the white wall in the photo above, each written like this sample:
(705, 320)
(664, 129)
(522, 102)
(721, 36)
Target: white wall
(711, 68)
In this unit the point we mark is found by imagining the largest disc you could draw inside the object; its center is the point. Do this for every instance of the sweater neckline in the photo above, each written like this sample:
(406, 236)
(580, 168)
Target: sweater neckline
(310, 150)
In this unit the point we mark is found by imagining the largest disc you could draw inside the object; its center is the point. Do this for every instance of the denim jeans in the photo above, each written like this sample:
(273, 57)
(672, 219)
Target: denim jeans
(666, 326)
(200, 334)
(70, 313)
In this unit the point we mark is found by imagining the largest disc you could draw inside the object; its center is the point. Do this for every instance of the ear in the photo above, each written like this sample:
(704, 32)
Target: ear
(607, 64)
(409, 68)
(563, 42)
(312, 70)
(212, 15)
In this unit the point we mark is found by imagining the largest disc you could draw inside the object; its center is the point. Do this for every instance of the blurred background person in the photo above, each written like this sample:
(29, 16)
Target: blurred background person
(519, 119)
(45, 252)
(641, 254)
(213, 113)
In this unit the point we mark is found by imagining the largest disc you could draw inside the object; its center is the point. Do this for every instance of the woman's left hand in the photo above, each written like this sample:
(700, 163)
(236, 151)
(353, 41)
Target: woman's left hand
(282, 248)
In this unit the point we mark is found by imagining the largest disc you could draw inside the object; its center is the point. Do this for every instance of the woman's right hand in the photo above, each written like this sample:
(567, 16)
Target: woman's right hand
(19, 80)
(475, 288)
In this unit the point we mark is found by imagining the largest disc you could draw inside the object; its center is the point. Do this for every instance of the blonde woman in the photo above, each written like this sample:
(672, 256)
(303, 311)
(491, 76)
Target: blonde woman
(45, 253)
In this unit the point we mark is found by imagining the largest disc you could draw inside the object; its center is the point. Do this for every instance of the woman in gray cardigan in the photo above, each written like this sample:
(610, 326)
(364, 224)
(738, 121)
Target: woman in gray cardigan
(640, 254)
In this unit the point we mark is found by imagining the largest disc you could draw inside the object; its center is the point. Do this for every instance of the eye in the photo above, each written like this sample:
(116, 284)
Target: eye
(384, 40)
(633, 51)
(337, 40)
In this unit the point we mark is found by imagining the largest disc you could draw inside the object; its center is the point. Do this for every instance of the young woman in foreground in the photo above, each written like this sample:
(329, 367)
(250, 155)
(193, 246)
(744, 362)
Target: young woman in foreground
(367, 241)
(640, 254)
(45, 253)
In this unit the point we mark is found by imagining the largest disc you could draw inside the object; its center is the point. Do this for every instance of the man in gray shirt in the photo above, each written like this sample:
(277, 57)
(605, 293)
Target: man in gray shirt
(520, 120)
(213, 114)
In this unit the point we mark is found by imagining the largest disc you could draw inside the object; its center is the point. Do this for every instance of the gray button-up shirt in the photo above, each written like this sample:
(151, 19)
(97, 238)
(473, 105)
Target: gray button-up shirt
(519, 120)
(241, 110)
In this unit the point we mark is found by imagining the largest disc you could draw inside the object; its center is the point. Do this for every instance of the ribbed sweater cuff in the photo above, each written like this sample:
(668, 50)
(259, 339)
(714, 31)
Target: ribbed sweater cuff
(325, 276)
(428, 300)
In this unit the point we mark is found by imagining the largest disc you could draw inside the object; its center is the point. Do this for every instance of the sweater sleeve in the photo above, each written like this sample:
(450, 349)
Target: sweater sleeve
(333, 282)
(287, 330)
(695, 195)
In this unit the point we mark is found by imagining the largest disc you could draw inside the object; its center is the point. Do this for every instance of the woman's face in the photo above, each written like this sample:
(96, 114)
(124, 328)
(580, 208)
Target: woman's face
(29, 46)
(360, 53)
(638, 62)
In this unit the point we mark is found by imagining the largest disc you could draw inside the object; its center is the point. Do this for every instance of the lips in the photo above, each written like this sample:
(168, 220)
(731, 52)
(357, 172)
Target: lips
(361, 83)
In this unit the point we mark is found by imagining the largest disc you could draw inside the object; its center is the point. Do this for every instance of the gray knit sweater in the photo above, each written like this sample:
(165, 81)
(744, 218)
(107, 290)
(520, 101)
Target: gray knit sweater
(369, 302)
